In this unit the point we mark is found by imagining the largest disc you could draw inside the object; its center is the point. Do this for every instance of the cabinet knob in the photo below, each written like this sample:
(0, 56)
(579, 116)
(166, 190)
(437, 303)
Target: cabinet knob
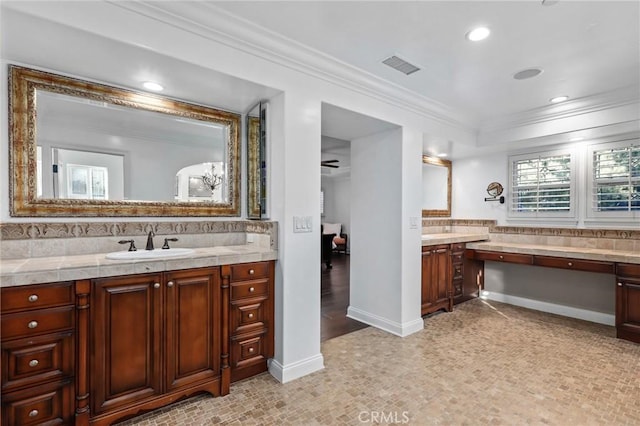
(619, 284)
(33, 413)
(570, 264)
(33, 363)
(501, 257)
(251, 289)
(32, 324)
(170, 284)
(250, 315)
(251, 272)
(33, 298)
(251, 350)
(156, 285)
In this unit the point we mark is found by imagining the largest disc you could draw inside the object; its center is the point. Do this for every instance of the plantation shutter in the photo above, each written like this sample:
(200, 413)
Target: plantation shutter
(541, 184)
(616, 179)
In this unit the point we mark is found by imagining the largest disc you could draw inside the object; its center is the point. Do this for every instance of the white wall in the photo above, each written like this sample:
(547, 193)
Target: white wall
(380, 278)
(578, 294)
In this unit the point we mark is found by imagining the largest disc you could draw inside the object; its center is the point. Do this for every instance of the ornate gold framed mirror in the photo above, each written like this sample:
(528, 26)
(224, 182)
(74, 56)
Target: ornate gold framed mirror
(79, 148)
(436, 187)
(256, 123)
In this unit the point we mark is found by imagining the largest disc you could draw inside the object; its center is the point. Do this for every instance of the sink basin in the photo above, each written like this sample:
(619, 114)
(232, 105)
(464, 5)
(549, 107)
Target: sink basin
(148, 254)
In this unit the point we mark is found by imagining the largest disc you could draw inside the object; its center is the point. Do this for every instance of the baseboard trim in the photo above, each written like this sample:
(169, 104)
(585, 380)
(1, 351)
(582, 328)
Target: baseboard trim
(552, 308)
(399, 329)
(295, 370)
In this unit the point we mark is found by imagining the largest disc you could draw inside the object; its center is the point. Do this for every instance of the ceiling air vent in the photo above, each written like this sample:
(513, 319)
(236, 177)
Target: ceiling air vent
(400, 65)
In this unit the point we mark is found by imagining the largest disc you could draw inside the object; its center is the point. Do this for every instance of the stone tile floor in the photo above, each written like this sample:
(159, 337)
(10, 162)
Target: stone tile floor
(485, 363)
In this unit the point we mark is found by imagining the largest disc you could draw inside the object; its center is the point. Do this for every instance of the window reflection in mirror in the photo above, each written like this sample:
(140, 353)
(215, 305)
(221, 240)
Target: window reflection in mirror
(436, 187)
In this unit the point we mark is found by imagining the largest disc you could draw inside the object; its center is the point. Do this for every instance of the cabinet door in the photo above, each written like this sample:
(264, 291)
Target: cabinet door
(193, 327)
(628, 309)
(440, 279)
(126, 357)
(436, 282)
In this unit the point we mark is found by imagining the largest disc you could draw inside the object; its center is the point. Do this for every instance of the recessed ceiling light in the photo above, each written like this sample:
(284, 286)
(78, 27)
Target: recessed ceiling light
(478, 34)
(558, 99)
(442, 154)
(151, 85)
(528, 73)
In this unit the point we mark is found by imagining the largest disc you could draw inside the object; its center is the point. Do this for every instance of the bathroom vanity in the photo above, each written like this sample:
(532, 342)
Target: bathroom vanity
(101, 349)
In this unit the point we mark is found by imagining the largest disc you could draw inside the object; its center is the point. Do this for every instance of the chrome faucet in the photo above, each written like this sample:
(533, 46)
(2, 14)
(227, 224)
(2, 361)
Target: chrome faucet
(150, 241)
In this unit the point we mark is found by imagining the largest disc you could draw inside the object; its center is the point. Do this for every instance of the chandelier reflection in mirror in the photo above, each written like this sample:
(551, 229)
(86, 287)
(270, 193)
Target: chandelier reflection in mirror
(201, 182)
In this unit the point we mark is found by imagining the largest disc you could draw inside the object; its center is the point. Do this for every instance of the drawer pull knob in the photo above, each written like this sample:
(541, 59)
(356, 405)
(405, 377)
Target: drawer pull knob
(619, 284)
(33, 298)
(156, 285)
(32, 324)
(250, 315)
(170, 284)
(251, 350)
(33, 413)
(570, 264)
(501, 257)
(251, 272)
(251, 289)
(33, 363)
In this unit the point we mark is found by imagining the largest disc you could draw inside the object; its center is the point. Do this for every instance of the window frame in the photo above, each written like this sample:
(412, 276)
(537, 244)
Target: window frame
(611, 215)
(571, 213)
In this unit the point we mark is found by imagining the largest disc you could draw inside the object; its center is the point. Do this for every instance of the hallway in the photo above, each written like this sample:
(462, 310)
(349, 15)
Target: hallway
(334, 289)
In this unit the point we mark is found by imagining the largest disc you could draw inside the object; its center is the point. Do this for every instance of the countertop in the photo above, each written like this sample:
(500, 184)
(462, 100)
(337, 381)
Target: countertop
(451, 237)
(622, 256)
(14, 272)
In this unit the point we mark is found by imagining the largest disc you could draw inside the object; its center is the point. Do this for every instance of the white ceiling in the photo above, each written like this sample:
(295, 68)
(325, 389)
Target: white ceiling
(584, 47)
(24, 38)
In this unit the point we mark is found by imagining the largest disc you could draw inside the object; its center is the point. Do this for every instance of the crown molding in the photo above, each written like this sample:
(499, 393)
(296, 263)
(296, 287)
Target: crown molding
(216, 24)
(586, 105)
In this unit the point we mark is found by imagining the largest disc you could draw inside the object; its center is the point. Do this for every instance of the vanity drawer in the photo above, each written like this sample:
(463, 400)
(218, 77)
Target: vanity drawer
(247, 316)
(247, 350)
(455, 247)
(457, 271)
(33, 360)
(249, 271)
(49, 404)
(37, 296)
(249, 289)
(32, 323)
(457, 257)
(580, 265)
(525, 259)
(628, 270)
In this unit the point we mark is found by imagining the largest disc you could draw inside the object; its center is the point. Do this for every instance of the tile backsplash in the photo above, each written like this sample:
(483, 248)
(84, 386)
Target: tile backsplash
(605, 239)
(26, 240)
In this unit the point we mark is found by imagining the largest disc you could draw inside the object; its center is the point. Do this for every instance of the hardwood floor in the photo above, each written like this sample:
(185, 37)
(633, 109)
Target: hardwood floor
(335, 299)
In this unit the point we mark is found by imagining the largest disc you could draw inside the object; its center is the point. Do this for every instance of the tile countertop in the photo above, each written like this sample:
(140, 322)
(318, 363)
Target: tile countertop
(451, 237)
(14, 272)
(622, 256)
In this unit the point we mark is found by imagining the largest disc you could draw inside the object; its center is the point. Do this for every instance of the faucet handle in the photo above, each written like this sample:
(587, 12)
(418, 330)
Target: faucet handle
(132, 246)
(166, 242)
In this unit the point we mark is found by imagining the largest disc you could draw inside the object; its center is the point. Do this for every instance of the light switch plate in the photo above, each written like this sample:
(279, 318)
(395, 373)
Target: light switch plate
(302, 224)
(413, 222)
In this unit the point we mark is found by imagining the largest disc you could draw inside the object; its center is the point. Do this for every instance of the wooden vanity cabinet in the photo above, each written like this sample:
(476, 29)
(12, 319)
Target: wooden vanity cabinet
(628, 302)
(437, 290)
(38, 354)
(156, 338)
(251, 317)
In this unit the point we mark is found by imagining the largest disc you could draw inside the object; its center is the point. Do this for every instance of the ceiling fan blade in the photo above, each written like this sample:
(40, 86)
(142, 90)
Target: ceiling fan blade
(329, 161)
(330, 165)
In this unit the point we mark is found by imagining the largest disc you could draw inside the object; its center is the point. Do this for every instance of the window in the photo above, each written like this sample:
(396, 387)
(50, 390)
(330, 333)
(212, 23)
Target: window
(614, 171)
(542, 185)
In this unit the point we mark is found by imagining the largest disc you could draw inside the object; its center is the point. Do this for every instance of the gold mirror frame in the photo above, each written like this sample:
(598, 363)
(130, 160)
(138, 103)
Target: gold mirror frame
(256, 161)
(24, 82)
(443, 163)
